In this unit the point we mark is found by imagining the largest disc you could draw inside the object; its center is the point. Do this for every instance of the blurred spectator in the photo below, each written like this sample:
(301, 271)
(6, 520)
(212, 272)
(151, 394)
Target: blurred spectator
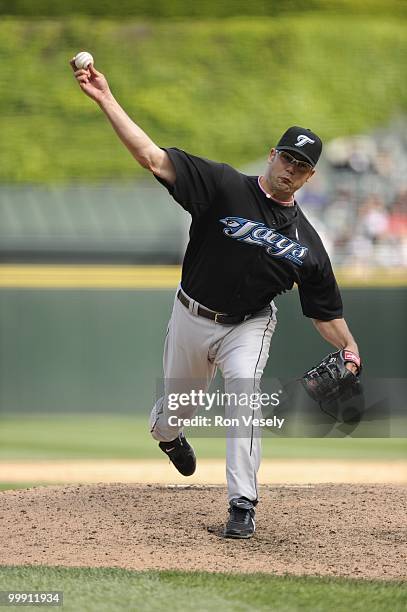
(397, 221)
(373, 219)
(357, 153)
(361, 201)
(339, 215)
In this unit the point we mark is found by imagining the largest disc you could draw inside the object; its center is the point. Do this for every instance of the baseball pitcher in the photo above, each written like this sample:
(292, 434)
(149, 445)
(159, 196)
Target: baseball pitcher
(249, 242)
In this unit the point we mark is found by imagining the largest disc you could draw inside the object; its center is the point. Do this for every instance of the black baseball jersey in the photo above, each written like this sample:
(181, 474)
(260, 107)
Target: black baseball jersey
(245, 248)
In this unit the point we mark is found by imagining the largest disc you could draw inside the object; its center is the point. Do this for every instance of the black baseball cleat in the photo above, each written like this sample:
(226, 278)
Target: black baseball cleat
(181, 454)
(241, 523)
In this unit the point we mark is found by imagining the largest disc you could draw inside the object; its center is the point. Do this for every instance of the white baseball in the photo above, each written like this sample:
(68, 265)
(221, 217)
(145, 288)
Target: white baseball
(83, 59)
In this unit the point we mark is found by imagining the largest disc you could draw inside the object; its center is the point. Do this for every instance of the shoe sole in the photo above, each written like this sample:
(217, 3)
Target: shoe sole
(238, 536)
(186, 474)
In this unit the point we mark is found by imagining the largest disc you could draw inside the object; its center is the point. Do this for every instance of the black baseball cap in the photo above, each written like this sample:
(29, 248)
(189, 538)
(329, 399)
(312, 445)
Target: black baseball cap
(302, 143)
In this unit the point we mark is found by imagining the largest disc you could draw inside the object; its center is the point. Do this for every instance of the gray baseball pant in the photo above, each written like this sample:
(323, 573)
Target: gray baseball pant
(194, 348)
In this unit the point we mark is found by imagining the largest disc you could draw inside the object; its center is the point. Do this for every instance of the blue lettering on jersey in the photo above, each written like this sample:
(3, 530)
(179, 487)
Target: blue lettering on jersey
(254, 232)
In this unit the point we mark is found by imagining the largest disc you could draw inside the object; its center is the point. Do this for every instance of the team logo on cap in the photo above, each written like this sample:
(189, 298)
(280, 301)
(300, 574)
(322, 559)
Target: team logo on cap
(302, 139)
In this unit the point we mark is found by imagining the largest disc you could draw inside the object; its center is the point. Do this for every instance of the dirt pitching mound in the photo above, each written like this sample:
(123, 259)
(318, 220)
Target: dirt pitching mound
(336, 530)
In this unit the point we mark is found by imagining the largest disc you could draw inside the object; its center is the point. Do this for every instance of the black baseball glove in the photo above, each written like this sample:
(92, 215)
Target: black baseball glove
(331, 379)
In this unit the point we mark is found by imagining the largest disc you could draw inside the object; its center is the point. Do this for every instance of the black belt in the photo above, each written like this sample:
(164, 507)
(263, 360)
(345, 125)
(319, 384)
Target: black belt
(218, 317)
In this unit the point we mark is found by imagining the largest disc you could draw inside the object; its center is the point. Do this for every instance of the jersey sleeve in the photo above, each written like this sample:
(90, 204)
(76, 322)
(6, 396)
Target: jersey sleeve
(197, 180)
(319, 294)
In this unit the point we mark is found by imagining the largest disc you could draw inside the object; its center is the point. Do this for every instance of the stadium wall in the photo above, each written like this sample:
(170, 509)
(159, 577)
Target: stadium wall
(71, 350)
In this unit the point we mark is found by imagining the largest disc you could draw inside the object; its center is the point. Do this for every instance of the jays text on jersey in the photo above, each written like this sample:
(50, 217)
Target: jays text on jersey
(245, 248)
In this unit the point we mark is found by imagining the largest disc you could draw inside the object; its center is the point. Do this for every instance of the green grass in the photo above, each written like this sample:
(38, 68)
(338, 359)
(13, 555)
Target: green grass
(77, 436)
(6, 486)
(185, 8)
(224, 89)
(114, 589)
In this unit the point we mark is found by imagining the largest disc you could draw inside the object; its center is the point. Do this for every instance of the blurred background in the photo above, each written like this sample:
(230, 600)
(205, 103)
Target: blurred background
(90, 244)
